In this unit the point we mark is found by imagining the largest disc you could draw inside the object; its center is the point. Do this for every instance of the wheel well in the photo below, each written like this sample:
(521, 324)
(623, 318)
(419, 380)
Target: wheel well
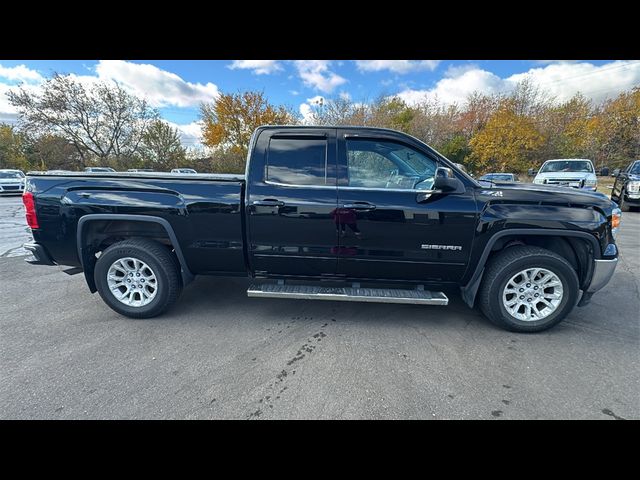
(576, 251)
(97, 235)
(100, 234)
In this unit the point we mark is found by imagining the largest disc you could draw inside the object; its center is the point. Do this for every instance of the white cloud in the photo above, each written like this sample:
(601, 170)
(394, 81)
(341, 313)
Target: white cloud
(306, 112)
(345, 95)
(20, 73)
(306, 109)
(259, 67)
(190, 133)
(560, 80)
(396, 66)
(563, 80)
(160, 87)
(316, 74)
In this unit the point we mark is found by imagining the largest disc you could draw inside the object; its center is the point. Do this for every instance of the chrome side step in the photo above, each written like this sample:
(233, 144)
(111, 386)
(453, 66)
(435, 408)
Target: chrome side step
(380, 295)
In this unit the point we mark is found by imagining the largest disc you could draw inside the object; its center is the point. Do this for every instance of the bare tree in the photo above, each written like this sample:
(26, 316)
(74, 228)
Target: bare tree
(102, 120)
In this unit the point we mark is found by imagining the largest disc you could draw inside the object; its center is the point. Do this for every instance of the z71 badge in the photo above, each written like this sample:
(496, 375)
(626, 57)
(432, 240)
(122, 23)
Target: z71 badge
(492, 193)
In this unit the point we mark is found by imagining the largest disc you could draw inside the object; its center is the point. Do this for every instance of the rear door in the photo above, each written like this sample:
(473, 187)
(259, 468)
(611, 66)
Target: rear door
(291, 200)
(387, 230)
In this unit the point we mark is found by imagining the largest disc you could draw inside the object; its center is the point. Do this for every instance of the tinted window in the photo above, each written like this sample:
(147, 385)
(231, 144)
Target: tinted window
(385, 164)
(297, 161)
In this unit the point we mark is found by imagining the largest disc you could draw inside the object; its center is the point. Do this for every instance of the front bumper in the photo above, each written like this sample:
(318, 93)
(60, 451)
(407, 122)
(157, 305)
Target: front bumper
(11, 190)
(632, 199)
(40, 256)
(602, 273)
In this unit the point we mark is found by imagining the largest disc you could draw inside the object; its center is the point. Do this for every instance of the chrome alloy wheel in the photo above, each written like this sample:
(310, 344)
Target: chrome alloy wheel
(132, 282)
(532, 294)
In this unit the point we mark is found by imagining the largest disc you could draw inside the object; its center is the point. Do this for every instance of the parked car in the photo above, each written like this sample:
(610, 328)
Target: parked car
(184, 170)
(135, 170)
(626, 188)
(99, 170)
(568, 172)
(11, 182)
(308, 221)
(499, 177)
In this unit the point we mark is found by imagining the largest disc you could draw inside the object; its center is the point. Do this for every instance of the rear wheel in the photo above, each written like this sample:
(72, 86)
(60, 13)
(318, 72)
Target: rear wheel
(138, 278)
(528, 289)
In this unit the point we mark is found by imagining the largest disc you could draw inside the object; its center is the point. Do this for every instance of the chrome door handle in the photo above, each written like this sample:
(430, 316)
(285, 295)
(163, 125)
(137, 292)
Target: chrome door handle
(268, 202)
(362, 206)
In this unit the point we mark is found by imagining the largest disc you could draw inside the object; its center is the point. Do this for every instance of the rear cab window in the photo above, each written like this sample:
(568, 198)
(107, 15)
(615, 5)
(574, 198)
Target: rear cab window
(297, 160)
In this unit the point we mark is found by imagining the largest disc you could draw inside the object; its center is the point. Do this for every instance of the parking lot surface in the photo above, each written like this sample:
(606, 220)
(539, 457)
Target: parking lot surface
(219, 354)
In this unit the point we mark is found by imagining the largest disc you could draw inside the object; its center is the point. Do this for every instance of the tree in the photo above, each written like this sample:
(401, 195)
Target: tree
(230, 119)
(618, 129)
(52, 152)
(101, 119)
(161, 146)
(508, 142)
(569, 129)
(12, 148)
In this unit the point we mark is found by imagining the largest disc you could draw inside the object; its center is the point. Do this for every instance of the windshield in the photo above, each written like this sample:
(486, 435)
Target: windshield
(567, 166)
(635, 168)
(498, 177)
(11, 175)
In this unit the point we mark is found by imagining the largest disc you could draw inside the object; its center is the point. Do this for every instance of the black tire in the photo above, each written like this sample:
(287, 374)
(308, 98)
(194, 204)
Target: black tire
(508, 263)
(161, 261)
(624, 206)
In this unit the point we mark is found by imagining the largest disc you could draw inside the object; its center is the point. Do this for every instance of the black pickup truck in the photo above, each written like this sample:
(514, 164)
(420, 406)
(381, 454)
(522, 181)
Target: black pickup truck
(343, 213)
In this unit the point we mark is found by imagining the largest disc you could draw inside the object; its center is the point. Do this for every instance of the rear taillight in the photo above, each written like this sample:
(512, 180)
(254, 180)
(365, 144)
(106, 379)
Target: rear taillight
(30, 208)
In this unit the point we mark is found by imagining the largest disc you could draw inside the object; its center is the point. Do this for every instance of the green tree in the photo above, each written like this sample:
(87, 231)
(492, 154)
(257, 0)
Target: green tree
(161, 146)
(52, 152)
(12, 148)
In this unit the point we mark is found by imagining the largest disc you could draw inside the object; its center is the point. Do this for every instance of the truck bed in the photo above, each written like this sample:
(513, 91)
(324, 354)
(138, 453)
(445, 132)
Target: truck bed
(203, 211)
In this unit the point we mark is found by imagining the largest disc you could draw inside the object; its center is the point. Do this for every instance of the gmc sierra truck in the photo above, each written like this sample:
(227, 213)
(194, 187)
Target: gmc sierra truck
(340, 213)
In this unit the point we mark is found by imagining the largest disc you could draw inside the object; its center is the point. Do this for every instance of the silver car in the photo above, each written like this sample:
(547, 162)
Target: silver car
(12, 182)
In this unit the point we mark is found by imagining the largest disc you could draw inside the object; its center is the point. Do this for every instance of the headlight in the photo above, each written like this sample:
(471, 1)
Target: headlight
(538, 180)
(616, 217)
(633, 187)
(590, 181)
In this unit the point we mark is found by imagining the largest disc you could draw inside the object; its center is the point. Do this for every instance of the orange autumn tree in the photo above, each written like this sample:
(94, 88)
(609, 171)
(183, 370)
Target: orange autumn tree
(229, 121)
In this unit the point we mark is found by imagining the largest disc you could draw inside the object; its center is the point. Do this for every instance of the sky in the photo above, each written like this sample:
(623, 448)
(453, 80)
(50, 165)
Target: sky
(178, 87)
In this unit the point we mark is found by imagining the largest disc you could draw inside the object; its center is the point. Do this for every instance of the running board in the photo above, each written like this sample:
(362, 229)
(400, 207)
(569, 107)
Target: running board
(379, 295)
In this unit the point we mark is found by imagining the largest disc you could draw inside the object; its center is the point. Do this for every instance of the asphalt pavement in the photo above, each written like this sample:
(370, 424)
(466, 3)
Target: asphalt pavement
(219, 354)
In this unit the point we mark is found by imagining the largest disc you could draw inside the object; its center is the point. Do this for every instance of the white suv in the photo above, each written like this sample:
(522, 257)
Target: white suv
(568, 172)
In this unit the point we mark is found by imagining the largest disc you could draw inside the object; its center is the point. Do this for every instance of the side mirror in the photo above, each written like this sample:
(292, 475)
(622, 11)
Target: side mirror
(616, 172)
(446, 181)
(532, 172)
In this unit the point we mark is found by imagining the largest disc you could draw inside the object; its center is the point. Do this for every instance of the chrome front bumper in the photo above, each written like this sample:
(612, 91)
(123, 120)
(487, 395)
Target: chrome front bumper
(602, 273)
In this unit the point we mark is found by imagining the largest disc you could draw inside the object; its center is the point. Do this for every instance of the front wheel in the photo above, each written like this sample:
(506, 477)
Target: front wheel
(528, 289)
(138, 278)
(624, 206)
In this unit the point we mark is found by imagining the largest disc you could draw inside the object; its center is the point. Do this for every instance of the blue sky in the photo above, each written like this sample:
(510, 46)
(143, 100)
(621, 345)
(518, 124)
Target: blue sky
(177, 87)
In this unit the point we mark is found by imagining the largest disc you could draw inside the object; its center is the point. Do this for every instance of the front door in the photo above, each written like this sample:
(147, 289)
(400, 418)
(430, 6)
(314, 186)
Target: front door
(387, 228)
(290, 202)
